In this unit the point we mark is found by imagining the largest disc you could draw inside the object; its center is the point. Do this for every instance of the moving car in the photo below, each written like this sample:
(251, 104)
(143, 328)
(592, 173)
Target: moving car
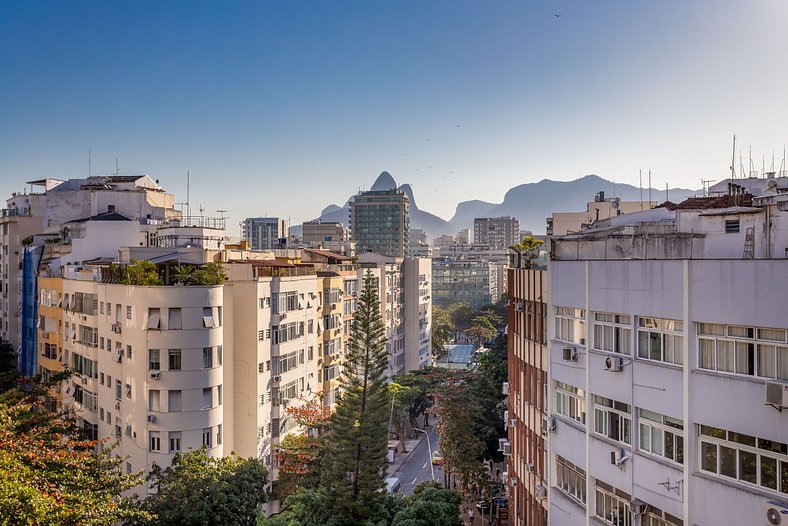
(437, 458)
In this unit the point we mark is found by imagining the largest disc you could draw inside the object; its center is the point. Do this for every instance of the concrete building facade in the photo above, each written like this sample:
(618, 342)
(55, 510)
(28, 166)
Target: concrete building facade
(498, 232)
(380, 222)
(464, 280)
(266, 233)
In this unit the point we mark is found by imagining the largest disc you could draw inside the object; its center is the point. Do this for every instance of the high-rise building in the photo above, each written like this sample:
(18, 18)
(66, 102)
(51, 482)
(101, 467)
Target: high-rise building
(498, 232)
(266, 233)
(666, 366)
(380, 222)
(471, 281)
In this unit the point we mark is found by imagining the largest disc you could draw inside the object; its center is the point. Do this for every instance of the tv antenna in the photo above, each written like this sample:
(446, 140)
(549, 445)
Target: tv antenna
(733, 158)
(782, 166)
(706, 185)
(221, 213)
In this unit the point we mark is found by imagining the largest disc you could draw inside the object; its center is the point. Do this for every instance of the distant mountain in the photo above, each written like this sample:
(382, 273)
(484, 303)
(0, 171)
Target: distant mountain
(532, 203)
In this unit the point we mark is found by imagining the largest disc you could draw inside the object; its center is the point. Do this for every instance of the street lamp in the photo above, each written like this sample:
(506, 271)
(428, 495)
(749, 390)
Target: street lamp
(429, 450)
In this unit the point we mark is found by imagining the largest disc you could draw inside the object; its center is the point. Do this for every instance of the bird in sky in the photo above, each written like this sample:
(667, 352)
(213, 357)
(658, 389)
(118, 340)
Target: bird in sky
(557, 16)
(427, 139)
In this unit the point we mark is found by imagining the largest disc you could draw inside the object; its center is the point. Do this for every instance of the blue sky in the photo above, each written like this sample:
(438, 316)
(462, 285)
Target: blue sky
(282, 108)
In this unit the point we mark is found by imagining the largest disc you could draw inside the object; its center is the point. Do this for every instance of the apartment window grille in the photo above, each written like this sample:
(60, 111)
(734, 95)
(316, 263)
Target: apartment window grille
(748, 459)
(109, 309)
(661, 340)
(310, 326)
(174, 361)
(101, 414)
(332, 295)
(101, 342)
(612, 505)
(570, 479)
(661, 435)
(174, 319)
(175, 441)
(275, 428)
(744, 351)
(570, 401)
(88, 336)
(154, 359)
(612, 332)
(613, 419)
(155, 441)
(207, 357)
(570, 325)
(84, 366)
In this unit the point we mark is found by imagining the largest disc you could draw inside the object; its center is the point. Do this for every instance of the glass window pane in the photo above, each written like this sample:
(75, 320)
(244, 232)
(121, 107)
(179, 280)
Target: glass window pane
(784, 476)
(748, 467)
(655, 344)
(745, 358)
(708, 457)
(645, 437)
(679, 349)
(728, 462)
(782, 363)
(679, 449)
(725, 356)
(656, 441)
(768, 472)
(669, 445)
(643, 344)
(767, 361)
(706, 352)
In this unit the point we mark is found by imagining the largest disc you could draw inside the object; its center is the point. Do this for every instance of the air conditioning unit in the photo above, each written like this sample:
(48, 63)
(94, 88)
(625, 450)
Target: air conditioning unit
(637, 506)
(333, 306)
(156, 375)
(518, 307)
(513, 481)
(529, 468)
(277, 378)
(570, 354)
(777, 395)
(548, 424)
(117, 406)
(501, 442)
(151, 419)
(513, 423)
(507, 448)
(614, 364)
(540, 492)
(117, 328)
(506, 415)
(618, 456)
(776, 513)
(505, 389)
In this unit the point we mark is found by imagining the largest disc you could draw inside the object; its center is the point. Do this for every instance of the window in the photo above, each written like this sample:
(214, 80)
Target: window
(219, 352)
(175, 441)
(128, 351)
(207, 437)
(731, 226)
(154, 318)
(745, 351)
(219, 395)
(118, 389)
(332, 346)
(656, 517)
(207, 357)
(570, 325)
(612, 332)
(155, 441)
(154, 400)
(129, 312)
(174, 404)
(284, 302)
(207, 397)
(207, 317)
(128, 390)
(219, 434)
(745, 458)
(570, 479)
(288, 391)
(661, 435)
(329, 373)
(287, 332)
(613, 419)
(570, 402)
(174, 319)
(612, 505)
(154, 360)
(174, 359)
(661, 340)
(289, 361)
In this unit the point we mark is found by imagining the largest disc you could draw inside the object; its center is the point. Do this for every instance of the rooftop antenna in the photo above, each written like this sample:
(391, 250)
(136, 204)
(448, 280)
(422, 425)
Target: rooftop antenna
(221, 213)
(706, 185)
(649, 188)
(188, 189)
(772, 168)
(666, 191)
(640, 184)
(782, 166)
(733, 158)
(763, 165)
(741, 164)
(753, 173)
(89, 162)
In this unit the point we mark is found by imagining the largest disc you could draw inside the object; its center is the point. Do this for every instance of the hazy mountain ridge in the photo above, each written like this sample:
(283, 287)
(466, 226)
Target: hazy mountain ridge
(531, 203)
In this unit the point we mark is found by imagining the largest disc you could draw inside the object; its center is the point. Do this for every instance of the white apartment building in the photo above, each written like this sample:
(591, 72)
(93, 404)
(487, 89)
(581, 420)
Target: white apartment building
(601, 208)
(668, 366)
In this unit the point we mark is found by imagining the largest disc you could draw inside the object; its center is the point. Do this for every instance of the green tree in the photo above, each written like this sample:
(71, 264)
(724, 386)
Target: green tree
(481, 329)
(402, 397)
(430, 505)
(526, 251)
(182, 274)
(49, 473)
(209, 274)
(142, 272)
(200, 490)
(461, 315)
(441, 331)
(356, 458)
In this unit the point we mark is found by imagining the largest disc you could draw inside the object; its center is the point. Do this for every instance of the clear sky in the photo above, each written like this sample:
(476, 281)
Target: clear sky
(283, 107)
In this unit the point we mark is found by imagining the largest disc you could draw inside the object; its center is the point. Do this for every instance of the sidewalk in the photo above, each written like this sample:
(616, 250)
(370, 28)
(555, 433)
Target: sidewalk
(400, 458)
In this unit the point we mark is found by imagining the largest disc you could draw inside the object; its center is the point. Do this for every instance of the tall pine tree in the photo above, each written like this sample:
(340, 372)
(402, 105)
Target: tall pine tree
(356, 460)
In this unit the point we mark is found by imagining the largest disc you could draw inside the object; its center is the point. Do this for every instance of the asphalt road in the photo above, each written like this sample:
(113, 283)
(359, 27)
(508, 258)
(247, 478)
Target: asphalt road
(416, 468)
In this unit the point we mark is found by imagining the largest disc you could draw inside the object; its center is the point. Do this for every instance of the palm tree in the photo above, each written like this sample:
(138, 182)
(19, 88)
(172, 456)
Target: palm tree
(526, 250)
(182, 273)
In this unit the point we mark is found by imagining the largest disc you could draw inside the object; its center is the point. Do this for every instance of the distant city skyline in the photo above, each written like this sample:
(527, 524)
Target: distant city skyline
(283, 109)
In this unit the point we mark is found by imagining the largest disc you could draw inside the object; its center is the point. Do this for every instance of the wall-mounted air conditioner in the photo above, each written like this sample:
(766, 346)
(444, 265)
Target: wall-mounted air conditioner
(277, 378)
(505, 388)
(530, 468)
(618, 456)
(570, 354)
(614, 364)
(777, 395)
(155, 375)
(151, 419)
(775, 513)
(507, 448)
(540, 492)
(501, 442)
(548, 424)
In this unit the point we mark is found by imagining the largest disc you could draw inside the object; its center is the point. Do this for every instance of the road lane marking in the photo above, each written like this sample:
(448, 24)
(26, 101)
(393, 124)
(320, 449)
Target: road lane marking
(425, 464)
(415, 479)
